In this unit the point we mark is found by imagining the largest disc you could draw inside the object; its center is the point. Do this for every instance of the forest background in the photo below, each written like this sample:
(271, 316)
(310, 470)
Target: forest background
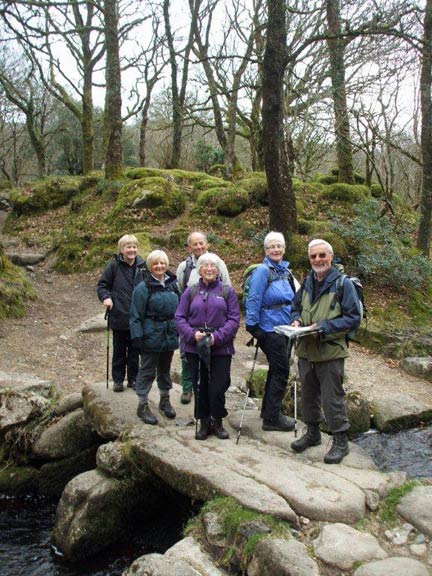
(334, 95)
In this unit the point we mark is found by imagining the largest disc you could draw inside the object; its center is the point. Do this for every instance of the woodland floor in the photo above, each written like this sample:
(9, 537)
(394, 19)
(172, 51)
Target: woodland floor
(46, 344)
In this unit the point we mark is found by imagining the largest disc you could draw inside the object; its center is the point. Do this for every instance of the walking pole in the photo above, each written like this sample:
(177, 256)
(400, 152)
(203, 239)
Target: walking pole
(290, 348)
(248, 385)
(196, 396)
(107, 339)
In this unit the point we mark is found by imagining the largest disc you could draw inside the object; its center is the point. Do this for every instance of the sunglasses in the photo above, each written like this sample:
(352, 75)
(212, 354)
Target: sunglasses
(319, 255)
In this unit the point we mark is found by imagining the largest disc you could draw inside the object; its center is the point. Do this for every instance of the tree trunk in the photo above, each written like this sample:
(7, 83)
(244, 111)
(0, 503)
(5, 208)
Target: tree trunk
(87, 123)
(336, 48)
(113, 118)
(282, 208)
(425, 226)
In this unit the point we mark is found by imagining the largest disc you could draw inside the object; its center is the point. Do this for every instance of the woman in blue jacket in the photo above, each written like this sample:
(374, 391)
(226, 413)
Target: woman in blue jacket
(154, 333)
(208, 318)
(271, 292)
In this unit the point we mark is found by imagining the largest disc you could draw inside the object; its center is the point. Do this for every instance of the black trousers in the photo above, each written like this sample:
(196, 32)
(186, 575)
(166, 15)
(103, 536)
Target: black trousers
(210, 385)
(275, 347)
(124, 358)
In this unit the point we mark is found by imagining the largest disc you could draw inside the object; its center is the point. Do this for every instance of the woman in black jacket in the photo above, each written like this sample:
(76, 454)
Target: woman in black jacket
(114, 289)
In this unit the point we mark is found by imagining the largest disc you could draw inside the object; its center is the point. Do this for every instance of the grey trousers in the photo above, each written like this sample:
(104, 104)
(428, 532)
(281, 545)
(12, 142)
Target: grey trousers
(154, 364)
(322, 385)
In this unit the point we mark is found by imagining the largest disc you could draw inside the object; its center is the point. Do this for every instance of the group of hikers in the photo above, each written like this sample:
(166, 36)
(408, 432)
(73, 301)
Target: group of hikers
(153, 311)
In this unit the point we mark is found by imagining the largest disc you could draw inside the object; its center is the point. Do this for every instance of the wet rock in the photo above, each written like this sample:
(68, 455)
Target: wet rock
(341, 546)
(395, 566)
(416, 508)
(418, 366)
(94, 511)
(399, 411)
(66, 437)
(277, 557)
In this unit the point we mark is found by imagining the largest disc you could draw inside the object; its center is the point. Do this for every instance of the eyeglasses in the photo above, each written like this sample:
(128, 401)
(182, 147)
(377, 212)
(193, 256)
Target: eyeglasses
(208, 266)
(319, 255)
(275, 247)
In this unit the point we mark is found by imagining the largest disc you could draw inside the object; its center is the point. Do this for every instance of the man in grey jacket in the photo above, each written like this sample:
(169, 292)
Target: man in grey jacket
(187, 275)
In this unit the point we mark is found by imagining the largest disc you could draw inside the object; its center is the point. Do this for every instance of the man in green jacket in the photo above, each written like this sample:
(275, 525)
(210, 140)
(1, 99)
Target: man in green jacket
(322, 354)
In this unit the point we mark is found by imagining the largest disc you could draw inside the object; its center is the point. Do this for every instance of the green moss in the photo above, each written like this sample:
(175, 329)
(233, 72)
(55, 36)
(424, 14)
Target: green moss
(257, 188)
(15, 289)
(18, 481)
(377, 190)
(232, 203)
(208, 198)
(349, 193)
(210, 182)
(258, 381)
(326, 179)
(388, 512)
(44, 195)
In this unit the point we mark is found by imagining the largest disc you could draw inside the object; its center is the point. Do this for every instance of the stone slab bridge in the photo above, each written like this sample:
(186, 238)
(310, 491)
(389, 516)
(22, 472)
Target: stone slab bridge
(260, 472)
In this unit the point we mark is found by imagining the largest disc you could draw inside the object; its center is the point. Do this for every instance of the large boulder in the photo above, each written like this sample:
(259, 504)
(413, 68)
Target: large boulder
(278, 557)
(95, 511)
(397, 566)
(17, 408)
(416, 508)
(65, 437)
(399, 411)
(418, 366)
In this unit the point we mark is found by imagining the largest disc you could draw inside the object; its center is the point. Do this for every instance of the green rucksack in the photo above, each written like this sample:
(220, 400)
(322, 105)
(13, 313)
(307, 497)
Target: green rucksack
(273, 275)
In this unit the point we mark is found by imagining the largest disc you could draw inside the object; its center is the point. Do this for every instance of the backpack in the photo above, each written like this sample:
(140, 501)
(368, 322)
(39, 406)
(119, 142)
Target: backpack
(187, 271)
(194, 290)
(273, 275)
(360, 293)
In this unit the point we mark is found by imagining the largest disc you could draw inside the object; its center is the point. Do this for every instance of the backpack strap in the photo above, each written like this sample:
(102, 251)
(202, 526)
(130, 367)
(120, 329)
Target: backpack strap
(194, 290)
(188, 269)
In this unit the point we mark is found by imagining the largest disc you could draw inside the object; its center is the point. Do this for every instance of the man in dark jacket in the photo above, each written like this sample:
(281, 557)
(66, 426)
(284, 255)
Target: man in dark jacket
(322, 355)
(114, 289)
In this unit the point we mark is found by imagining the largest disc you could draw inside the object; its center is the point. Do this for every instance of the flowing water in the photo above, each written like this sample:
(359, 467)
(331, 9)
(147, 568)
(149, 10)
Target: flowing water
(25, 540)
(409, 450)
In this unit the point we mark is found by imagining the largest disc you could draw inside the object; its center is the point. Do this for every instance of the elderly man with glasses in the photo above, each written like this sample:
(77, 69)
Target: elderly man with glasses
(322, 354)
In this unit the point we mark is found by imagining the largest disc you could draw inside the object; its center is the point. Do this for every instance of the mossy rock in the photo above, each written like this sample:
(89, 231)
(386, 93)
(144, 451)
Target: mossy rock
(210, 182)
(18, 481)
(90, 181)
(232, 203)
(349, 193)
(217, 170)
(358, 413)
(44, 195)
(257, 382)
(209, 198)
(312, 227)
(143, 172)
(257, 188)
(377, 190)
(358, 178)
(15, 289)
(326, 179)
(155, 193)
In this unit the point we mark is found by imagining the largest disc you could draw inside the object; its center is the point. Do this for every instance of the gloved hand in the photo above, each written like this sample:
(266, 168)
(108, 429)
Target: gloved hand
(255, 330)
(138, 344)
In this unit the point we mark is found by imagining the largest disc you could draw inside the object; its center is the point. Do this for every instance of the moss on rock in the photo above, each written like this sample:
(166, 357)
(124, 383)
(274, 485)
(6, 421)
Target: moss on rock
(15, 289)
(44, 195)
(18, 481)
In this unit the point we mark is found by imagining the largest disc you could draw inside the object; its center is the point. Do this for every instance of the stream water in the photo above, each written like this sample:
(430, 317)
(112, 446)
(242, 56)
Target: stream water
(409, 450)
(25, 539)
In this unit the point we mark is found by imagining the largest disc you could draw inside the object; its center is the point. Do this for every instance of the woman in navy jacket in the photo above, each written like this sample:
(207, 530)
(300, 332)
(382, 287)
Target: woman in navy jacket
(208, 318)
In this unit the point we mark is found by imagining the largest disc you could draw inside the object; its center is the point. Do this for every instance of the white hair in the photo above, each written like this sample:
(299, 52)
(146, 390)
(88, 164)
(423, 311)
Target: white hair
(271, 236)
(320, 242)
(208, 258)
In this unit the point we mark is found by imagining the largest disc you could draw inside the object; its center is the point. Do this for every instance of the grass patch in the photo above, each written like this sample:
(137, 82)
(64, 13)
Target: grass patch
(388, 513)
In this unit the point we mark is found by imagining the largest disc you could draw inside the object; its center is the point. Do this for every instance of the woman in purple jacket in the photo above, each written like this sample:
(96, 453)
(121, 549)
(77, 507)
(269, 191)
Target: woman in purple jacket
(208, 318)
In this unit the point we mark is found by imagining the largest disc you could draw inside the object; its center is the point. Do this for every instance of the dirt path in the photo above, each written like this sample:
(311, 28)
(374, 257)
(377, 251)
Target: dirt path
(46, 344)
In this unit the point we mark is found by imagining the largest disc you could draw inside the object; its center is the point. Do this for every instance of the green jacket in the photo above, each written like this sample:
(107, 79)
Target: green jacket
(335, 319)
(152, 314)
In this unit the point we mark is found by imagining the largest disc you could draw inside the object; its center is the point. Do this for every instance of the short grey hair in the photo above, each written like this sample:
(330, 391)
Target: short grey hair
(208, 258)
(196, 232)
(155, 256)
(271, 236)
(320, 242)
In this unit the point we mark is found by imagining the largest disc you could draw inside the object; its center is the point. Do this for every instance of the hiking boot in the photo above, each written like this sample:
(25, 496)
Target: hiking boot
(218, 430)
(165, 406)
(131, 384)
(339, 449)
(118, 387)
(282, 424)
(204, 430)
(312, 437)
(186, 397)
(146, 414)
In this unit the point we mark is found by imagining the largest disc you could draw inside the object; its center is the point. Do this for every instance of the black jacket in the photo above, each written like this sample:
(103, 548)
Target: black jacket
(117, 282)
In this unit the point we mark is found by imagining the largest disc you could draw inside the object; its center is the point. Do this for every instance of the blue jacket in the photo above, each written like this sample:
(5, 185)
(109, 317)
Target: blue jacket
(152, 314)
(269, 303)
(208, 307)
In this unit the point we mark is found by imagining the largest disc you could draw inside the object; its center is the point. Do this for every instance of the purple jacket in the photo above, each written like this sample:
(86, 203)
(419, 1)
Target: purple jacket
(208, 308)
